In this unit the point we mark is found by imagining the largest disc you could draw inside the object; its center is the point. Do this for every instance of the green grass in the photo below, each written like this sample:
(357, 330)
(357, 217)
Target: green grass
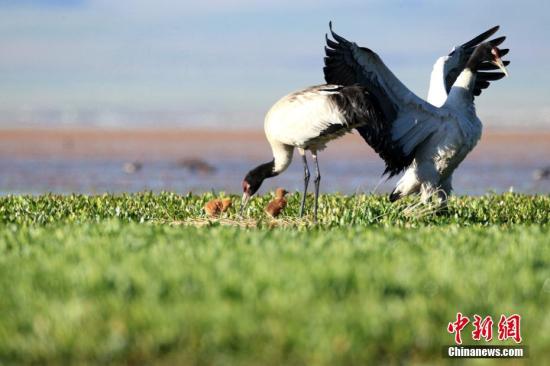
(125, 279)
(335, 210)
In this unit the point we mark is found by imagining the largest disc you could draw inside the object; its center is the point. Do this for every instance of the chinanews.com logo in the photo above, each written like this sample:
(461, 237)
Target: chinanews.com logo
(508, 328)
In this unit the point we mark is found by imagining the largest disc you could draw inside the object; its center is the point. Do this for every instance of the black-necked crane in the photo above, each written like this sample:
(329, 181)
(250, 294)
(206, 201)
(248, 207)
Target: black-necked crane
(362, 93)
(307, 120)
(433, 141)
(444, 73)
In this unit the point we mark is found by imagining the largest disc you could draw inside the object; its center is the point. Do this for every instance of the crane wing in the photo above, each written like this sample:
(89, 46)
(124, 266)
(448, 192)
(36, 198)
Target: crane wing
(406, 120)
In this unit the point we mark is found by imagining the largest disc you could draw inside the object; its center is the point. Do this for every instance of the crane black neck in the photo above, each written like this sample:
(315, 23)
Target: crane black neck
(256, 176)
(265, 170)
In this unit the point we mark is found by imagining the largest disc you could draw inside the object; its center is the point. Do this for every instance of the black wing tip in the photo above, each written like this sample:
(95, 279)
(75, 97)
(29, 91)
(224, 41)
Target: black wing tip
(337, 38)
(490, 76)
(327, 39)
(330, 28)
(497, 41)
(480, 38)
(394, 169)
(488, 33)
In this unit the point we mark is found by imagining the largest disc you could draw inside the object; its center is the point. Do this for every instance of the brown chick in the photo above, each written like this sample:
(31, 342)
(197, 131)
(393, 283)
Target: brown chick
(275, 207)
(226, 203)
(213, 207)
(216, 206)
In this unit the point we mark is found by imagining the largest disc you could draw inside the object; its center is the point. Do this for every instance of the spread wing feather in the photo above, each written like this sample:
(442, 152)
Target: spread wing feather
(407, 119)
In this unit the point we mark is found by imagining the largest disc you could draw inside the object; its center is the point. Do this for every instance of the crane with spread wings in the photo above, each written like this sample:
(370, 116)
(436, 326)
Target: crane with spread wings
(405, 130)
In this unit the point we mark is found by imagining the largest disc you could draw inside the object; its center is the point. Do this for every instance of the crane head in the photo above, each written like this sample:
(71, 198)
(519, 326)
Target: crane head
(487, 53)
(254, 179)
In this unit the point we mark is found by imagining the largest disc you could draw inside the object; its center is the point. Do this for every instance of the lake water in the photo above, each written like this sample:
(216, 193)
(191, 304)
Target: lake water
(35, 176)
(84, 164)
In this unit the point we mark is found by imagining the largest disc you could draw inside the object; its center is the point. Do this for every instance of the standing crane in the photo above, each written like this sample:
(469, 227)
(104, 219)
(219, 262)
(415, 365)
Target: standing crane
(363, 94)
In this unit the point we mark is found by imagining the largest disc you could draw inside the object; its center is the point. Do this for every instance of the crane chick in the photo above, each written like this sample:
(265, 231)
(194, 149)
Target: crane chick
(275, 207)
(216, 206)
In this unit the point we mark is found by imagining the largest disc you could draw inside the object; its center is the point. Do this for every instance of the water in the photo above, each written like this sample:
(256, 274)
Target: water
(65, 175)
(92, 162)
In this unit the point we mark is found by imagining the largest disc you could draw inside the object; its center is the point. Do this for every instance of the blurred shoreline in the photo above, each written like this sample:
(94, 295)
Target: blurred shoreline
(98, 161)
(152, 144)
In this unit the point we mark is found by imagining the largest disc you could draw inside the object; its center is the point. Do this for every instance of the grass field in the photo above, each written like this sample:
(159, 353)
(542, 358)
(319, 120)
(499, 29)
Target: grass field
(148, 279)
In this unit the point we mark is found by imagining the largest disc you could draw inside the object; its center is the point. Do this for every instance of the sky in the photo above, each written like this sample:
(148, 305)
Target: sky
(212, 63)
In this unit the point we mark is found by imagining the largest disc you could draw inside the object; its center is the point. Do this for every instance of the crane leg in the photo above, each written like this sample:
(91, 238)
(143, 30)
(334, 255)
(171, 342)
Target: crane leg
(317, 182)
(306, 181)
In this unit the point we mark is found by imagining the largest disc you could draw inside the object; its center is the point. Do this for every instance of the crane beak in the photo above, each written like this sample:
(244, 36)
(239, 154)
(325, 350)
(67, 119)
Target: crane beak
(498, 62)
(244, 202)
